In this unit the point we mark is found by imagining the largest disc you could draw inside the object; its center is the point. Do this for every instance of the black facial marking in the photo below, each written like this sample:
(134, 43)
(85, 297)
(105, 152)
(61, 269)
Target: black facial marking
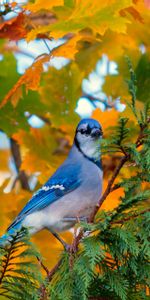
(83, 131)
(95, 131)
(86, 131)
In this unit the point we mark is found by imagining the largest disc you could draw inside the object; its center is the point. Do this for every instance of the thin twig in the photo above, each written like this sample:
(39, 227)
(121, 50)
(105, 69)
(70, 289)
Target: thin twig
(43, 266)
(115, 187)
(47, 46)
(54, 269)
(123, 160)
(6, 264)
(15, 150)
(130, 217)
(49, 277)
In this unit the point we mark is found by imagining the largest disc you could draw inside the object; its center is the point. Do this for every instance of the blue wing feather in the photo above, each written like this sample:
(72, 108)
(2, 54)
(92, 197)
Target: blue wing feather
(66, 176)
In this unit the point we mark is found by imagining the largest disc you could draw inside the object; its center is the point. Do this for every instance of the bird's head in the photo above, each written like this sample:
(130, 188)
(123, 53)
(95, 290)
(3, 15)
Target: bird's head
(87, 138)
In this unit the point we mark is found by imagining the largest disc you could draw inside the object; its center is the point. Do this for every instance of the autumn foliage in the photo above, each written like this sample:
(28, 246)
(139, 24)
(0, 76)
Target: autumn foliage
(87, 31)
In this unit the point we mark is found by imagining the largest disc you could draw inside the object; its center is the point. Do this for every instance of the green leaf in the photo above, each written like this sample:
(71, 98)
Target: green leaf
(143, 79)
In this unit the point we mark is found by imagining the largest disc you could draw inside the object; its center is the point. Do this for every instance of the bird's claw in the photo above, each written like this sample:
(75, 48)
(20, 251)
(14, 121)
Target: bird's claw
(70, 248)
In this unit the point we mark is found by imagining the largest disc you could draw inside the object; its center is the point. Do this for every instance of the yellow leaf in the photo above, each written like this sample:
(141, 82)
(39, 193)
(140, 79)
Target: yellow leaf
(36, 31)
(68, 50)
(40, 5)
(31, 80)
(99, 16)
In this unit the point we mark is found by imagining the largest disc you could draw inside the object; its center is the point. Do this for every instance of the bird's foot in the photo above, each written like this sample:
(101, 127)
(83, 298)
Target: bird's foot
(71, 248)
(86, 233)
(65, 245)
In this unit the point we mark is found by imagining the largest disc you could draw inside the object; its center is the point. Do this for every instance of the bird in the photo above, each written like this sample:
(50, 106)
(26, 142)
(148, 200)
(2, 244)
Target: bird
(71, 193)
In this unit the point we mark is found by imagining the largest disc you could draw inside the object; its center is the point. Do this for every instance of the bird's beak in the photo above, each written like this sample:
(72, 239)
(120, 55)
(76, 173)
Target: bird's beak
(96, 132)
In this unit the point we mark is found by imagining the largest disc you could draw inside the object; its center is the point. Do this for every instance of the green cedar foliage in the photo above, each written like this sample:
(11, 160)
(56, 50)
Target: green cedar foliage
(19, 274)
(112, 261)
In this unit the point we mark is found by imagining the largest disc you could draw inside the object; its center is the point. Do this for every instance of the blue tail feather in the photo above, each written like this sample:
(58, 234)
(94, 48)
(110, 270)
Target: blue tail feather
(6, 238)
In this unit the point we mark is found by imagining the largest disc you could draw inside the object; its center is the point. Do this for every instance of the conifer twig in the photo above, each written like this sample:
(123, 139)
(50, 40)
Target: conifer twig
(6, 264)
(49, 276)
(131, 217)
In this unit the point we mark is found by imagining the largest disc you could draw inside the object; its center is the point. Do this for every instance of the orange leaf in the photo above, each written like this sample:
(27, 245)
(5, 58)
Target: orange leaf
(133, 12)
(68, 49)
(14, 29)
(107, 118)
(30, 79)
(40, 4)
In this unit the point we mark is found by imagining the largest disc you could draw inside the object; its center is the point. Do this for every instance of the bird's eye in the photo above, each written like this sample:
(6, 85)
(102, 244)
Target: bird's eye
(83, 131)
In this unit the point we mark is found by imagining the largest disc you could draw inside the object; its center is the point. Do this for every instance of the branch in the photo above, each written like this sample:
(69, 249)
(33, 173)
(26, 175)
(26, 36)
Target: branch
(115, 187)
(54, 269)
(107, 191)
(131, 217)
(15, 150)
(7, 257)
(91, 98)
(139, 141)
(123, 160)
(43, 291)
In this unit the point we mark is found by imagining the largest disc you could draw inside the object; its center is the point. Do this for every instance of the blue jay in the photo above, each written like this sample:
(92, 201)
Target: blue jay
(71, 193)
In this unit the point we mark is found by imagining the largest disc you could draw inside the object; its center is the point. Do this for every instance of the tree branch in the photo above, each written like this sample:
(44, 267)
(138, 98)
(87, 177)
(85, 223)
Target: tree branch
(123, 160)
(49, 276)
(15, 150)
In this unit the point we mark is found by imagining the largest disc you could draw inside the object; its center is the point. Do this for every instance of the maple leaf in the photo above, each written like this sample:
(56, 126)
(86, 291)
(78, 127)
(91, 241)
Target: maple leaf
(99, 16)
(14, 28)
(40, 4)
(68, 49)
(133, 12)
(30, 79)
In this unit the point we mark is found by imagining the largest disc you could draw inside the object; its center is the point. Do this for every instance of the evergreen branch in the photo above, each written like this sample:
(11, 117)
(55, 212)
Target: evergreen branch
(131, 217)
(139, 140)
(19, 278)
(6, 263)
(43, 292)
